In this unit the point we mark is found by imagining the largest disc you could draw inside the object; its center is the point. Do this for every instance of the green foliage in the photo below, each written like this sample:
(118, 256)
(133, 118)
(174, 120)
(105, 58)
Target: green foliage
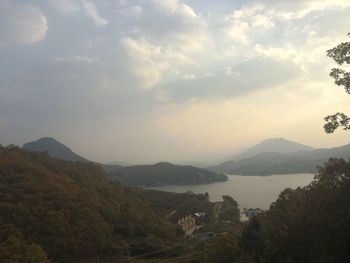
(335, 121)
(305, 225)
(341, 55)
(229, 210)
(226, 250)
(70, 212)
(165, 203)
(310, 224)
(164, 173)
(14, 247)
(34, 254)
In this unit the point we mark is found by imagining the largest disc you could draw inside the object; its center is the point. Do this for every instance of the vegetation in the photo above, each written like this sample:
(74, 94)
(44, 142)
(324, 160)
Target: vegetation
(61, 211)
(53, 210)
(229, 211)
(69, 212)
(164, 173)
(341, 55)
(185, 203)
(53, 148)
(58, 150)
(310, 224)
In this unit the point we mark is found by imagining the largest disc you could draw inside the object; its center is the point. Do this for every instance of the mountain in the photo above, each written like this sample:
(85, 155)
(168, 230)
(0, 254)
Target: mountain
(54, 148)
(119, 163)
(268, 163)
(62, 211)
(165, 173)
(279, 145)
(58, 150)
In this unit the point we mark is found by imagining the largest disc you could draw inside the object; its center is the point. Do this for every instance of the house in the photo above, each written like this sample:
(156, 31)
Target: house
(251, 212)
(185, 221)
(199, 214)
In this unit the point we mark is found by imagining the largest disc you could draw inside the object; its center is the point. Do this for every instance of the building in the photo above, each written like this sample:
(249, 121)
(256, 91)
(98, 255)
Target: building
(252, 212)
(185, 221)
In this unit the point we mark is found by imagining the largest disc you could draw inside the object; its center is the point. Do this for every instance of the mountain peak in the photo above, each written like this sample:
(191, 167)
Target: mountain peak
(279, 145)
(54, 148)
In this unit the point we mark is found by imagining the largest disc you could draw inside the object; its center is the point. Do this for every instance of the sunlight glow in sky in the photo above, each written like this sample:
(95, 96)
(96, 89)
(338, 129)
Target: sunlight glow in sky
(145, 81)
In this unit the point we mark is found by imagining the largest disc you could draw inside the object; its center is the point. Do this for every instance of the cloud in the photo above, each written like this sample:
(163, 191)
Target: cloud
(65, 6)
(149, 62)
(177, 25)
(91, 12)
(174, 73)
(74, 6)
(248, 76)
(247, 23)
(21, 24)
(290, 10)
(74, 59)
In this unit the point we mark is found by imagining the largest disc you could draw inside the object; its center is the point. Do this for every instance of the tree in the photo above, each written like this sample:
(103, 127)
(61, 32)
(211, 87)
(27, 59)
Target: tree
(341, 55)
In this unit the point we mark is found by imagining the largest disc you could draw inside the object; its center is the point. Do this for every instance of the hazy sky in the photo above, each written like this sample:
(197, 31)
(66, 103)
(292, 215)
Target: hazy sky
(151, 80)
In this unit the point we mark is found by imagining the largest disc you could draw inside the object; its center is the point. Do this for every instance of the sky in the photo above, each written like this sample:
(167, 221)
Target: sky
(143, 81)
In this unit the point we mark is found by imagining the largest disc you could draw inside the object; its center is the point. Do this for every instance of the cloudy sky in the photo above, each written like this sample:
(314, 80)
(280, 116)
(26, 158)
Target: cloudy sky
(150, 80)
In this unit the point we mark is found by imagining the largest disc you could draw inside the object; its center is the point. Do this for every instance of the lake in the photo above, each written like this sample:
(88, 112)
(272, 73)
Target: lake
(248, 191)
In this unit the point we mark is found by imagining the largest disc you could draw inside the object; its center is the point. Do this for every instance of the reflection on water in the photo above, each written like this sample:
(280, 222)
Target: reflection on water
(248, 191)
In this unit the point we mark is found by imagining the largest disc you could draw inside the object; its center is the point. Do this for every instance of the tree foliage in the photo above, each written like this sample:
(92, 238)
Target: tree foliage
(310, 224)
(341, 55)
(60, 211)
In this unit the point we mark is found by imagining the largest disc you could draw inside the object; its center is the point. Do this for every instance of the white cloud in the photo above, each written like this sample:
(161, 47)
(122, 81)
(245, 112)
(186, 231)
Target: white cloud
(74, 59)
(148, 62)
(167, 23)
(298, 9)
(136, 10)
(66, 6)
(21, 24)
(169, 5)
(165, 69)
(91, 12)
(243, 24)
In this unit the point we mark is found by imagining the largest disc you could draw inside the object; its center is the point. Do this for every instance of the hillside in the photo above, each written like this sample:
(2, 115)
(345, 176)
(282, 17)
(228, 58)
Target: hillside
(164, 173)
(306, 225)
(282, 163)
(58, 150)
(69, 212)
(279, 145)
(54, 148)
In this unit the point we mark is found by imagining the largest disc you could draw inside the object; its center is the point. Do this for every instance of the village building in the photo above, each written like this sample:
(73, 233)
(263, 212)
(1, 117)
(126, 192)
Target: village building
(185, 221)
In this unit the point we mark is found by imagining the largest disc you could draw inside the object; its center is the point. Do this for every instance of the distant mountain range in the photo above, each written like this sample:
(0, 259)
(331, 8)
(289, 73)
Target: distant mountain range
(279, 145)
(165, 173)
(271, 156)
(279, 156)
(161, 173)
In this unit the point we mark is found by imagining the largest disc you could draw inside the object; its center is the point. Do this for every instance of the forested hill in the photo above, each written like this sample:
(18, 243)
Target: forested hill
(54, 148)
(165, 173)
(58, 150)
(69, 212)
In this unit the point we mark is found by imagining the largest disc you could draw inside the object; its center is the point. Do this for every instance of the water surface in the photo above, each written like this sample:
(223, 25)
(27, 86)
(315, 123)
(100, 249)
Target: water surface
(248, 191)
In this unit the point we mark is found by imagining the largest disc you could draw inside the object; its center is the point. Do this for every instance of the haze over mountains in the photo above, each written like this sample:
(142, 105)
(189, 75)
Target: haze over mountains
(279, 145)
(279, 156)
(54, 148)
(271, 156)
(160, 173)
(58, 150)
